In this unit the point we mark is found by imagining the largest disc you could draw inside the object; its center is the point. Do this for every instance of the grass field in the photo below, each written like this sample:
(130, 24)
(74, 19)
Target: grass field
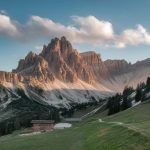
(137, 117)
(133, 134)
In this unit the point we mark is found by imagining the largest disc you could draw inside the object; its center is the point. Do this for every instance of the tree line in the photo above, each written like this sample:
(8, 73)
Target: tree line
(123, 101)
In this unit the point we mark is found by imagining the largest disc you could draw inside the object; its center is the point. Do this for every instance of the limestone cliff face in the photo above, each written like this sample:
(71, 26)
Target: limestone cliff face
(59, 60)
(35, 66)
(117, 67)
(95, 64)
(10, 77)
(106, 70)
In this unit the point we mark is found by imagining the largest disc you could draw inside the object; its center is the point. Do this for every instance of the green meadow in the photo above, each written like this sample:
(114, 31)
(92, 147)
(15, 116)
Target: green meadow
(127, 130)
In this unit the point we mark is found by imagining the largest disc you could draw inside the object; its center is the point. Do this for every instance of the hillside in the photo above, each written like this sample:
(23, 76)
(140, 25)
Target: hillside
(92, 134)
(136, 118)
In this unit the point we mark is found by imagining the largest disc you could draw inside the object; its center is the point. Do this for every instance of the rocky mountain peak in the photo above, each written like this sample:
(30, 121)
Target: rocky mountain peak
(58, 60)
(145, 63)
(117, 67)
(91, 57)
(66, 46)
(61, 46)
(95, 64)
(27, 62)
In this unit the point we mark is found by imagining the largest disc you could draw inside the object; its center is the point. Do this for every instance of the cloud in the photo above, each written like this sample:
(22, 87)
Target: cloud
(83, 30)
(92, 27)
(38, 26)
(134, 37)
(7, 27)
(3, 12)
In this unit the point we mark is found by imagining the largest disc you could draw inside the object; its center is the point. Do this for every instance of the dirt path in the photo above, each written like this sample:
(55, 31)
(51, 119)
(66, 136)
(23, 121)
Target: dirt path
(89, 114)
(129, 126)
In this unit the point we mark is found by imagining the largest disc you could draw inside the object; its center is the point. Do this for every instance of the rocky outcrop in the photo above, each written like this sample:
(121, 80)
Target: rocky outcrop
(95, 64)
(117, 67)
(142, 64)
(10, 77)
(35, 66)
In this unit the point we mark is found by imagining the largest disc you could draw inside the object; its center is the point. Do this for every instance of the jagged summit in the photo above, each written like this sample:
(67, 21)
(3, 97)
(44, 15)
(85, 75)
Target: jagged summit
(61, 76)
(60, 61)
(62, 46)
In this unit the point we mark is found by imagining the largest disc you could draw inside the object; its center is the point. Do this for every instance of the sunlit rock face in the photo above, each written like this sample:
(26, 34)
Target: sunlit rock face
(95, 65)
(59, 70)
(60, 61)
(10, 77)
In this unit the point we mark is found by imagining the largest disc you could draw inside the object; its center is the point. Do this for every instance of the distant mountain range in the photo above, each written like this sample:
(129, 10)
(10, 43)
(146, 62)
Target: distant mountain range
(61, 75)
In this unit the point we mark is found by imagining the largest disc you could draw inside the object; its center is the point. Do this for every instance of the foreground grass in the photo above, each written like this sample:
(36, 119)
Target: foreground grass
(137, 117)
(91, 135)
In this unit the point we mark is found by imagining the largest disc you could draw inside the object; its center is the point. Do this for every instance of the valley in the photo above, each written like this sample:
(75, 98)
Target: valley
(92, 134)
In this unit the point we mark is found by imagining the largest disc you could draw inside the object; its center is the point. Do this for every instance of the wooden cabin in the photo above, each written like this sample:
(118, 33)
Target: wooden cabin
(42, 125)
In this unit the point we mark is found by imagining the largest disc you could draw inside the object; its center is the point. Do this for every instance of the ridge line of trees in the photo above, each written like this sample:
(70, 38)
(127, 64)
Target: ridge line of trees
(120, 102)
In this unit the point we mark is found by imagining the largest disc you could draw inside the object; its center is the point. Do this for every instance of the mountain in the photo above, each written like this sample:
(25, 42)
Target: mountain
(126, 130)
(57, 60)
(60, 75)
(61, 80)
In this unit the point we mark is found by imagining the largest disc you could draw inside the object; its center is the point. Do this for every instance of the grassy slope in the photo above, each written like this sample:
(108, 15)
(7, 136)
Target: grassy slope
(137, 117)
(91, 135)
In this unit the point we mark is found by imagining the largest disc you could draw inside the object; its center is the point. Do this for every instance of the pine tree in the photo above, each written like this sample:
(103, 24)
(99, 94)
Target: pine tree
(114, 104)
(148, 81)
(138, 95)
(143, 96)
(126, 101)
(127, 91)
(141, 86)
(148, 84)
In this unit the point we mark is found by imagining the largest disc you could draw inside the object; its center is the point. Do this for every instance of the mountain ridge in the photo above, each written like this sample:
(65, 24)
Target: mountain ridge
(62, 70)
(59, 60)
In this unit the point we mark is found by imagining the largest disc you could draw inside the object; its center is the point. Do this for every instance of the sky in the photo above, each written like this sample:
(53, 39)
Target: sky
(117, 29)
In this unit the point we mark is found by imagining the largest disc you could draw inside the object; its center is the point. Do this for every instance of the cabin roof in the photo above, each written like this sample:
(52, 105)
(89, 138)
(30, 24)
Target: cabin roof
(42, 121)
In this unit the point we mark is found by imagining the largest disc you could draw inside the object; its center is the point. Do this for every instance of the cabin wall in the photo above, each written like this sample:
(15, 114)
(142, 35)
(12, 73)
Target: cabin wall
(41, 127)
